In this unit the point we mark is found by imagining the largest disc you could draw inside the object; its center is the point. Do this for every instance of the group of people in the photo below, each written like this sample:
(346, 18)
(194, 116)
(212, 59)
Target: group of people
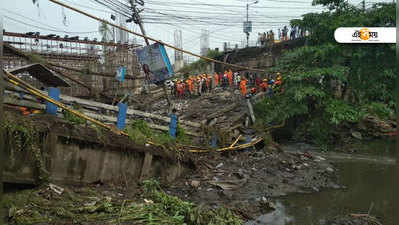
(205, 83)
(266, 38)
(284, 34)
(295, 32)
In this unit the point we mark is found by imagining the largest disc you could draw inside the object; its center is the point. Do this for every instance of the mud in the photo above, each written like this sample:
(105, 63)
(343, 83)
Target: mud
(247, 181)
(353, 220)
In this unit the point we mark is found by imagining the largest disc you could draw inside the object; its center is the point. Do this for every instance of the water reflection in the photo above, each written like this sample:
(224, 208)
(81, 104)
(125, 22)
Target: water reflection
(277, 217)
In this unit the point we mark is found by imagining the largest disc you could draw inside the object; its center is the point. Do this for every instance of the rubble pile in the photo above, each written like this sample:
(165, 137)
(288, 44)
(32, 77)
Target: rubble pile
(229, 116)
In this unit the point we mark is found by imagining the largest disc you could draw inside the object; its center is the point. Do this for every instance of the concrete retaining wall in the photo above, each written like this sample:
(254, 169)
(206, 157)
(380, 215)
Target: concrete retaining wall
(75, 163)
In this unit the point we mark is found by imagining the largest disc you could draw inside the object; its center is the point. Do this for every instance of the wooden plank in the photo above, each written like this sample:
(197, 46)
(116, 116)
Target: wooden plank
(18, 102)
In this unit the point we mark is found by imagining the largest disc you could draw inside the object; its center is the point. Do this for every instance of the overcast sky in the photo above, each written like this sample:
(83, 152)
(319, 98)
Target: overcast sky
(223, 18)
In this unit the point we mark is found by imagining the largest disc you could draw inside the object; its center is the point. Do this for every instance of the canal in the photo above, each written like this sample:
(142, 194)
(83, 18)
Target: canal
(369, 186)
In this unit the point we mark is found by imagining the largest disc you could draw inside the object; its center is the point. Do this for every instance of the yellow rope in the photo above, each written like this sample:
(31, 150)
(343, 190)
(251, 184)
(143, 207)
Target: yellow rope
(235, 142)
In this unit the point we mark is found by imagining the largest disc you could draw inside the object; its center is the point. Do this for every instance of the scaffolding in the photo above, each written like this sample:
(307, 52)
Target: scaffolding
(82, 54)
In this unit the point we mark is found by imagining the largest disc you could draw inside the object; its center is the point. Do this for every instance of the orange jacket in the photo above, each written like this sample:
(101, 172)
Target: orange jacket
(243, 83)
(216, 77)
(190, 85)
(230, 77)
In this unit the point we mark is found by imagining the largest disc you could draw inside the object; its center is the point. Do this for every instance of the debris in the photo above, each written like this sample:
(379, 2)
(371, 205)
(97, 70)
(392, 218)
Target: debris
(330, 170)
(57, 189)
(148, 201)
(195, 183)
(267, 203)
(319, 159)
(219, 165)
(357, 135)
(229, 184)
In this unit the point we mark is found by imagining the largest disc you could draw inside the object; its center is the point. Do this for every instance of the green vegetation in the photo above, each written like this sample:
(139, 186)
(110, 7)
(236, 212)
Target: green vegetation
(200, 65)
(85, 205)
(330, 86)
(21, 136)
(72, 117)
(140, 132)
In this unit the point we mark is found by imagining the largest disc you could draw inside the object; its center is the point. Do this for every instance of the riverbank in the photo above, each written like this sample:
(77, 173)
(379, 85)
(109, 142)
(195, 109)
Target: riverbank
(267, 186)
(230, 188)
(247, 181)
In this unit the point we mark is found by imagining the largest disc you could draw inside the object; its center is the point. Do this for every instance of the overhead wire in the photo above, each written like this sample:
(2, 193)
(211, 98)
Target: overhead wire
(153, 39)
(47, 29)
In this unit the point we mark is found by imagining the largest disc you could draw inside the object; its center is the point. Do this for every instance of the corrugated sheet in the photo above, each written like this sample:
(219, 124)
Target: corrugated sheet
(42, 74)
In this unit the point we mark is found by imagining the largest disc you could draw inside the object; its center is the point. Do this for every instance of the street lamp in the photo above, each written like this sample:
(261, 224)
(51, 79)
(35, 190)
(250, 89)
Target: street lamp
(249, 27)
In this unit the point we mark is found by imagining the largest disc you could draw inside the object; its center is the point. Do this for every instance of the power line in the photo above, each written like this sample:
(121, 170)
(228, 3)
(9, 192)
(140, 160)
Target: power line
(43, 28)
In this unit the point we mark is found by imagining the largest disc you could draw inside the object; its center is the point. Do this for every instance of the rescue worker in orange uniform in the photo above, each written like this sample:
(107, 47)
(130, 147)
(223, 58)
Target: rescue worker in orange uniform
(216, 79)
(207, 82)
(230, 77)
(190, 85)
(243, 86)
(180, 89)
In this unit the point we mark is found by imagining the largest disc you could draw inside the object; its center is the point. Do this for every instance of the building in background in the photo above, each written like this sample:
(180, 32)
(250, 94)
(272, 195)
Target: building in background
(204, 42)
(179, 62)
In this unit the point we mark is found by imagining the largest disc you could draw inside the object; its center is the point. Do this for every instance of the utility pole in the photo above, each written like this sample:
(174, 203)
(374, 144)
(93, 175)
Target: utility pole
(364, 5)
(137, 20)
(247, 23)
(249, 27)
(2, 144)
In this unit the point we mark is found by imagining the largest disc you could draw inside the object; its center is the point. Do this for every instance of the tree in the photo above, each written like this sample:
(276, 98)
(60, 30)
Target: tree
(328, 85)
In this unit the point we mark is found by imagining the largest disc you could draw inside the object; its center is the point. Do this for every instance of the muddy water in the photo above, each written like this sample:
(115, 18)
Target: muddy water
(368, 185)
